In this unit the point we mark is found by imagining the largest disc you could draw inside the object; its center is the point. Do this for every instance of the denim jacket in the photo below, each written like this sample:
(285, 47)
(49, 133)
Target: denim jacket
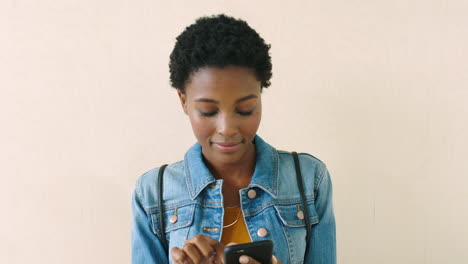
(193, 197)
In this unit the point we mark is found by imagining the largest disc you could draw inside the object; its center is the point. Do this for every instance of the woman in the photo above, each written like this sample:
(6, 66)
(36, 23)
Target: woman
(231, 187)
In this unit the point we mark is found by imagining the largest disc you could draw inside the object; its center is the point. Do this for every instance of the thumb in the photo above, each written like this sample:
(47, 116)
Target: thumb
(220, 251)
(231, 244)
(275, 260)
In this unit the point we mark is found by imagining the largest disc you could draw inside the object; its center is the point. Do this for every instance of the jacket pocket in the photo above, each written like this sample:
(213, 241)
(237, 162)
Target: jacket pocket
(292, 215)
(291, 221)
(175, 217)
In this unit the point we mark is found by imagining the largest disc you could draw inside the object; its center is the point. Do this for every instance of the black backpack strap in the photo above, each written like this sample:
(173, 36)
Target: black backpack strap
(159, 191)
(305, 209)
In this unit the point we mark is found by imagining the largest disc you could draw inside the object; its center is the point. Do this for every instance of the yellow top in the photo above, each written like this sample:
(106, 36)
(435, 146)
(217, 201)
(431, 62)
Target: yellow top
(237, 232)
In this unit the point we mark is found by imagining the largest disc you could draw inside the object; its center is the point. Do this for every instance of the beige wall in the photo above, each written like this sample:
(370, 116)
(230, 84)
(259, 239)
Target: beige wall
(376, 89)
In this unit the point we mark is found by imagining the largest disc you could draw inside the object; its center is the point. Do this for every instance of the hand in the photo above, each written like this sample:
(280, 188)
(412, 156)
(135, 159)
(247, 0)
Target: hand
(199, 249)
(248, 260)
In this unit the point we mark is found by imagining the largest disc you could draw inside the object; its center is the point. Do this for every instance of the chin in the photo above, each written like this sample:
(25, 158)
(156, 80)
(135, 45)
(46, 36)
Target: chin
(229, 159)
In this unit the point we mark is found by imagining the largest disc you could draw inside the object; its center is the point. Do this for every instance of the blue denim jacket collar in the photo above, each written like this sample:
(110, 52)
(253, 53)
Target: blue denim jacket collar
(265, 174)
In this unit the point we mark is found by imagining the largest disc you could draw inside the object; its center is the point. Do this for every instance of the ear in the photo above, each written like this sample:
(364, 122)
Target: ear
(183, 101)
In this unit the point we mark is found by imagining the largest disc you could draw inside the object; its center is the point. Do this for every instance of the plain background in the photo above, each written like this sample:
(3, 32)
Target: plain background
(378, 90)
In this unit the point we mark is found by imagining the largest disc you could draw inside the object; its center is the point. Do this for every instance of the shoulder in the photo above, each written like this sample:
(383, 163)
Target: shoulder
(146, 184)
(310, 165)
(306, 160)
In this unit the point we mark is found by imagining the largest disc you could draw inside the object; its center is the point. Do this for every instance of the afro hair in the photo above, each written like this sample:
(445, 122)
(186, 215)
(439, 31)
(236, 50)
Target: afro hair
(219, 41)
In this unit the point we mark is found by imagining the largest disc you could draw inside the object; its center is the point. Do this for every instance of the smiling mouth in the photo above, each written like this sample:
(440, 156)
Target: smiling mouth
(226, 147)
(227, 144)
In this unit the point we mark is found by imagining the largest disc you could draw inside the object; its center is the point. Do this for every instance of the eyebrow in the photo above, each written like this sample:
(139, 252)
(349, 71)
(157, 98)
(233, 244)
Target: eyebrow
(206, 100)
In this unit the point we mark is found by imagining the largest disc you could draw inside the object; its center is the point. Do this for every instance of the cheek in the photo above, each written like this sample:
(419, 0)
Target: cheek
(250, 126)
(201, 127)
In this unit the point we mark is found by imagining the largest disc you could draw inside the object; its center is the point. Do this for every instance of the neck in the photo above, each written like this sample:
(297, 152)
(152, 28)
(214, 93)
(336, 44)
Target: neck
(236, 174)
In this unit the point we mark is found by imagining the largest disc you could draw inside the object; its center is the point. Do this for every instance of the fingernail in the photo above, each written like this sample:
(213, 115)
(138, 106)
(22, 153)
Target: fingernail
(244, 259)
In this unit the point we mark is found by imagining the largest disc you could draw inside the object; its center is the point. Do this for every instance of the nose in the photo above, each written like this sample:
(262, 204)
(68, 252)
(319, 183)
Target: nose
(227, 126)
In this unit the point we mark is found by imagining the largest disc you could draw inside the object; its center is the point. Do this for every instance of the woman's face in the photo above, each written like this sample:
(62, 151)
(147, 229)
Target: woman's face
(224, 106)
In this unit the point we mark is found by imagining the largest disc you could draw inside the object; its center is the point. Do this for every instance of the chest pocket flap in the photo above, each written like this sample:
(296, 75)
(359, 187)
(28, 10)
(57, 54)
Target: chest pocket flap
(292, 215)
(174, 218)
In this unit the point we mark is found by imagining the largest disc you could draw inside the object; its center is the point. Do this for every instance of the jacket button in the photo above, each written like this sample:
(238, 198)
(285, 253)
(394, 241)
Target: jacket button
(300, 215)
(251, 193)
(173, 219)
(262, 232)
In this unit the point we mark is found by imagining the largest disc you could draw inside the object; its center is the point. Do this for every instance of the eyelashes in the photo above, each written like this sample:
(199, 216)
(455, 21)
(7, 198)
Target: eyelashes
(239, 112)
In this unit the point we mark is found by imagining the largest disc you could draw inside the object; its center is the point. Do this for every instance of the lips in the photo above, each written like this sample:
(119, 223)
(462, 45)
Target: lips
(226, 147)
(226, 144)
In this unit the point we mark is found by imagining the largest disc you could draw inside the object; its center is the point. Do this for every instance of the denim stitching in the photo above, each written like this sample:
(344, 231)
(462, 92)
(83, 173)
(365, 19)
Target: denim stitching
(188, 177)
(298, 223)
(185, 223)
(203, 186)
(171, 206)
(288, 238)
(276, 170)
(322, 174)
(267, 204)
(138, 190)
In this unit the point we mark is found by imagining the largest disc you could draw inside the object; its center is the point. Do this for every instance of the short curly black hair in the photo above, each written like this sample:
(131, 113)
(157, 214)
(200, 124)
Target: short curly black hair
(219, 41)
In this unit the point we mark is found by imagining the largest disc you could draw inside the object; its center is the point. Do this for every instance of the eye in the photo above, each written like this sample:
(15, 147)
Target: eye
(245, 113)
(208, 114)
(214, 113)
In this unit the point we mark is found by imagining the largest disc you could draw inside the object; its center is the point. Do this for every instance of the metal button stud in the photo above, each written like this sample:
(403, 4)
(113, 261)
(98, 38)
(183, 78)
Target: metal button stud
(173, 219)
(251, 193)
(262, 232)
(300, 215)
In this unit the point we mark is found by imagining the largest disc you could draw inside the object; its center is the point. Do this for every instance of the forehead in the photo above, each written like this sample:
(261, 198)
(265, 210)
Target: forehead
(221, 82)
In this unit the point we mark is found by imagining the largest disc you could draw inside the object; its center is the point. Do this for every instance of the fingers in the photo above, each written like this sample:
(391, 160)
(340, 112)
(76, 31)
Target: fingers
(199, 249)
(193, 253)
(178, 255)
(202, 247)
(247, 260)
(275, 260)
(231, 244)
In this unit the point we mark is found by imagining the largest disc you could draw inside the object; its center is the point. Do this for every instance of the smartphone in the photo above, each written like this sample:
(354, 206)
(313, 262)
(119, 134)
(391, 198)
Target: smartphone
(262, 251)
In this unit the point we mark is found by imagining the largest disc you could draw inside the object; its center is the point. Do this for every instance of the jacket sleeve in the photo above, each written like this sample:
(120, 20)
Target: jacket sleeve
(146, 247)
(321, 247)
